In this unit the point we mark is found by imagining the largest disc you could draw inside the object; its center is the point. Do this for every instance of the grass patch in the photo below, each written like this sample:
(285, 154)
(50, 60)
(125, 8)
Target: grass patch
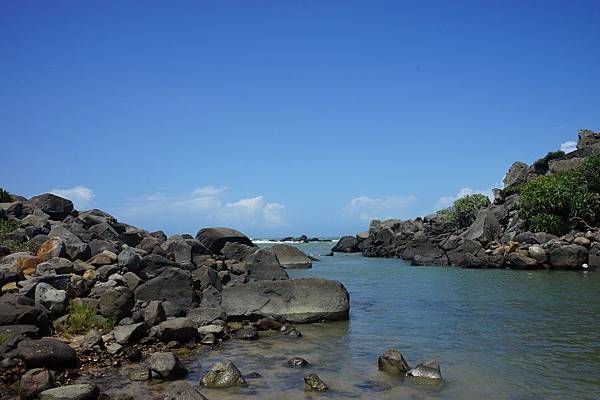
(81, 319)
(7, 227)
(3, 339)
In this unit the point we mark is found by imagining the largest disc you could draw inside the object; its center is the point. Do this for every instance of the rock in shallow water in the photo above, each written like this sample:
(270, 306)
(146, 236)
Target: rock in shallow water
(392, 361)
(426, 370)
(181, 390)
(312, 383)
(33, 382)
(295, 300)
(297, 362)
(223, 374)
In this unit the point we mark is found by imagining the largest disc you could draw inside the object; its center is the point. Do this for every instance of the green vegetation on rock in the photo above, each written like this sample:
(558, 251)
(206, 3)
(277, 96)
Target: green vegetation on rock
(81, 319)
(5, 196)
(542, 163)
(7, 227)
(464, 210)
(549, 203)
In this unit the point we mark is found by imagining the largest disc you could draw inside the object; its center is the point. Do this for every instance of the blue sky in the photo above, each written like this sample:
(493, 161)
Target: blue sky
(287, 117)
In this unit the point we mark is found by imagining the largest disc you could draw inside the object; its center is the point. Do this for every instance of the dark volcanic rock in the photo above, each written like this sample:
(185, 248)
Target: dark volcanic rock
(56, 207)
(47, 353)
(312, 383)
(116, 304)
(174, 285)
(570, 256)
(215, 238)
(346, 244)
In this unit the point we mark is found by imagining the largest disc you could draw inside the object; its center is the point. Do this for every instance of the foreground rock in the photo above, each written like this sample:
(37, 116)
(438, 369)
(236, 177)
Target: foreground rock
(47, 353)
(35, 381)
(223, 374)
(181, 390)
(393, 362)
(84, 391)
(296, 300)
(291, 257)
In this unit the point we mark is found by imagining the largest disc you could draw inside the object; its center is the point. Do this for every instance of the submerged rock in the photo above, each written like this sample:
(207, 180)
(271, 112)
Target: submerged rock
(312, 383)
(426, 370)
(297, 362)
(392, 361)
(223, 374)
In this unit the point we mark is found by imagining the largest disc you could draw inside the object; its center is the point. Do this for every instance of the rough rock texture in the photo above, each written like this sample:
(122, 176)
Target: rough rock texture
(426, 370)
(312, 383)
(223, 374)
(56, 207)
(296, 300)
(33, 382)
(291, 257)
(392, 361)
(570, 256)
(174, 285)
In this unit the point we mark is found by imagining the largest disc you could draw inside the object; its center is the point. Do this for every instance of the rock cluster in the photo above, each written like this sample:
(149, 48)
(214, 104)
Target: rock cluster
(497, 238)
(135, 295)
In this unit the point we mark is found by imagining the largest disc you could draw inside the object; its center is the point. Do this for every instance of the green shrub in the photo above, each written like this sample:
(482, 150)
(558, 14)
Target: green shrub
(542, 163)
(548, 203)
(3, 339)
(464, 210)
(590, 170)
(5, 196)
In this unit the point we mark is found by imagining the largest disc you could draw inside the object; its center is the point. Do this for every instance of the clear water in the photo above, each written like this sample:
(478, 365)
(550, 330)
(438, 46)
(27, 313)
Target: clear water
(498, 334)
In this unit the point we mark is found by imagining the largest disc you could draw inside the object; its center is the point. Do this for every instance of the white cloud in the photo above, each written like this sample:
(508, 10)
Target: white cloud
(206, 206)
(81, 196)
(368, 208)
(569, 146)
(447, 201)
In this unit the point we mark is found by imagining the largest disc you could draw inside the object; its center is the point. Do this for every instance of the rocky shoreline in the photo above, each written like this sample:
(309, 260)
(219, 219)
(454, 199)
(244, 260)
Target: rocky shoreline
(499, 235)
(83, 292)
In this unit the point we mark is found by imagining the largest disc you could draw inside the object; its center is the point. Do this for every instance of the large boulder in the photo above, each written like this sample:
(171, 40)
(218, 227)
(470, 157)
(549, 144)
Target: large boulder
(291, 257)
(47, 353)
(215, 238)
(180, 329)
(346, 244)
(56, 207)
(515, 173)
(297, 300)
(588, 140)
(571, 256)
(174, 285)
(485, 228)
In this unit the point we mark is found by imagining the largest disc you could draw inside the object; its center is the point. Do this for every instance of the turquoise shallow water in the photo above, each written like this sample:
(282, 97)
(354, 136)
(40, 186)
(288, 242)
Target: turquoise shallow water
(498, 334)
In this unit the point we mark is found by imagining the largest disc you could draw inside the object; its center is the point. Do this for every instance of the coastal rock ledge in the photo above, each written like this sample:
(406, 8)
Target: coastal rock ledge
(294, 300)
